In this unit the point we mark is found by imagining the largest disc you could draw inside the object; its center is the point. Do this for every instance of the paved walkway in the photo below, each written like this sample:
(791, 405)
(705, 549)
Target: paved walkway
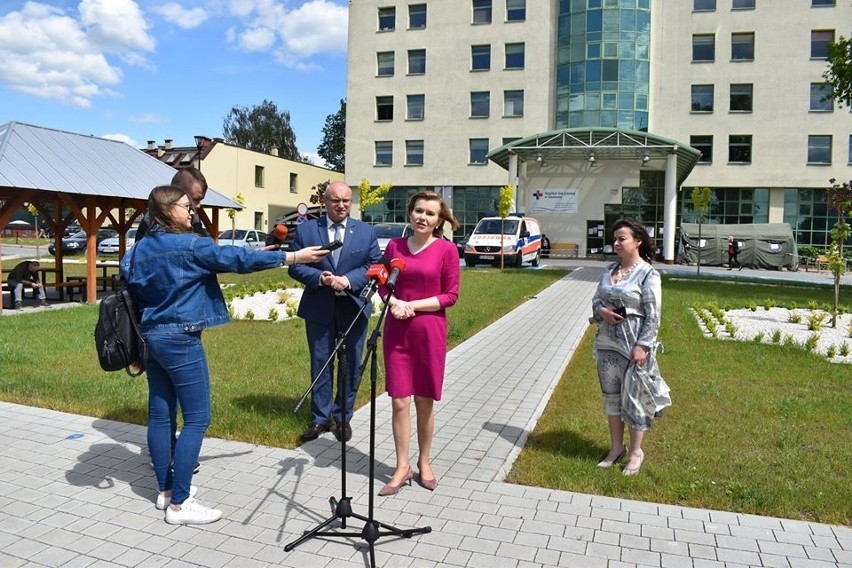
(77, 491)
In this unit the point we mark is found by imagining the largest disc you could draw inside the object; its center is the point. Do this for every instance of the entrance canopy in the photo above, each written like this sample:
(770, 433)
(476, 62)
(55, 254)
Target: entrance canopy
(596, 146)
(96, 179)
(581, 144)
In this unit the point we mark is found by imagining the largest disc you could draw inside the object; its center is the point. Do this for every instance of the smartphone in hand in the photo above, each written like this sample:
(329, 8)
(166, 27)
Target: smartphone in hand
(621, 310)
(333, 245)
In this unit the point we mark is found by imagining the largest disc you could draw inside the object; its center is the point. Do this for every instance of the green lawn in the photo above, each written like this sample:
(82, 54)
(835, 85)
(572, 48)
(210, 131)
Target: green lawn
(760, 429)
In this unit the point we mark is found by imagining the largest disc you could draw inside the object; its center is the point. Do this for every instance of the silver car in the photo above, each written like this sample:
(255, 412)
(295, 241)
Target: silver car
(110, 245)
(243, 238)
(387, 231)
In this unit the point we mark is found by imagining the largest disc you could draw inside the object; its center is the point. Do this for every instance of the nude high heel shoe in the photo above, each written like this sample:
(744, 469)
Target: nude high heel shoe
(389, 489)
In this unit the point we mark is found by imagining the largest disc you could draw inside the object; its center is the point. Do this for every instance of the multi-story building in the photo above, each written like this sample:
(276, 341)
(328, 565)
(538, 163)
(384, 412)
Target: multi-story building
(271, 187)
(603, 107)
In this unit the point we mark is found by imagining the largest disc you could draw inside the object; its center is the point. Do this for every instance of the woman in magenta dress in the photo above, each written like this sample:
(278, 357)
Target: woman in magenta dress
(415, 334)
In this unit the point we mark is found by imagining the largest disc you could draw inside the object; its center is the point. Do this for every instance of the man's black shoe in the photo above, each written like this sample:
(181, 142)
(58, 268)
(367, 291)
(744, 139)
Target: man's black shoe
(314, 431)
(341, 430)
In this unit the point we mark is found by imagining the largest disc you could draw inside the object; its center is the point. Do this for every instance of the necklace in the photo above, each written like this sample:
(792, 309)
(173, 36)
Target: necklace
(621, 273)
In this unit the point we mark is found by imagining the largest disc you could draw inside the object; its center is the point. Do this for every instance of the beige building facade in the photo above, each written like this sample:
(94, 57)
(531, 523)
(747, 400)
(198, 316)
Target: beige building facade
(269, 186)
(737, 82)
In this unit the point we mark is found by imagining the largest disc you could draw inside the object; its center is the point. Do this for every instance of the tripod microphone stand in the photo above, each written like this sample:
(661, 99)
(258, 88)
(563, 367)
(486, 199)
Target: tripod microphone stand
(372, 529)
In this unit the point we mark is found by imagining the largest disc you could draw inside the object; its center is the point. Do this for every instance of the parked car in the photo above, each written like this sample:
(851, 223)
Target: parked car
(110, 246)
(243, 238)
(78, 241)
(387, 231)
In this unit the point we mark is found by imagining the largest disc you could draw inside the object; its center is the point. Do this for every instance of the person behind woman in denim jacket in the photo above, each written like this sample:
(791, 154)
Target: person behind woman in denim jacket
(172, 278)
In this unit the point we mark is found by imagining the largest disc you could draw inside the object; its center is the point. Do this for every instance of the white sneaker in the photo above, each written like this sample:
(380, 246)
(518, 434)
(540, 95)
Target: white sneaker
(192, 513)
(163, 501)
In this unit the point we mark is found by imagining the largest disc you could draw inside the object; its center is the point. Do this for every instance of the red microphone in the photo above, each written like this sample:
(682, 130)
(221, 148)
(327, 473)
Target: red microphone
(377, 274)
(397, 266)
(280, 233)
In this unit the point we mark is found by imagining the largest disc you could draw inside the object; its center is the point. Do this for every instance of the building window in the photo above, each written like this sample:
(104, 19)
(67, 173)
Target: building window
(513, 103)
(384, 107)
(384, 153)
(703, 47)
(702, 98)
(480, 104)
(705, 145)
(514, 56)
(258, 176)
(510, 140)
(703, 5)
(387, 19)
(480, 57)
(821, 97)
(416, 61)
(416, 16)
(742, 46)
(294, 183)
(415, 107)
(819, 149)
(384, 61)
(739, 149)
(516, 10)
(742, 5)
(414, 152)
(823, 2)
(819, 43)
(742, 97)
(481, 11)
(478, 150)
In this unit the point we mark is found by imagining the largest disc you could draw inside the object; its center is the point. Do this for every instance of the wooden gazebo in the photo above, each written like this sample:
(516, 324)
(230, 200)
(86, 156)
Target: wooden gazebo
(95, 180)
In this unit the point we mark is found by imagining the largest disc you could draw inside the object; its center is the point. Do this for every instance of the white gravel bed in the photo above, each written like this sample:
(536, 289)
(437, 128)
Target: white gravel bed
(260, 304)
(749, 324)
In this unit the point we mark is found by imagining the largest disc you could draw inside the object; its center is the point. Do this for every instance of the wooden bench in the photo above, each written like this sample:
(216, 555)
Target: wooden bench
(564, 250)
(809, 262)
(11, 292)
(71, 283)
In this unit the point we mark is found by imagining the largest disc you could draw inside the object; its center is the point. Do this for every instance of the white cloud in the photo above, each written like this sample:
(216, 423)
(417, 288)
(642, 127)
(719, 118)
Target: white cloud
(294, 36)
(121, 138)
(47, 53)
(148, 118)
(182, 17)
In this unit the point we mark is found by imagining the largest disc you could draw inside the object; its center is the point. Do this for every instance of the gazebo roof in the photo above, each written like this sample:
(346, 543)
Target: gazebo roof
(570, 144)
(45, 159)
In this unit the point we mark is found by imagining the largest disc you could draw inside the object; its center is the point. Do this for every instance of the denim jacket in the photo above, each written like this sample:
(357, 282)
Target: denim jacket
(172, 279)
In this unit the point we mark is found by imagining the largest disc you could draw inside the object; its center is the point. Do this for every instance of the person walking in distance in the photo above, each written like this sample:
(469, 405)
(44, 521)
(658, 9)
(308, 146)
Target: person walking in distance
(733, 251)
(330, 303)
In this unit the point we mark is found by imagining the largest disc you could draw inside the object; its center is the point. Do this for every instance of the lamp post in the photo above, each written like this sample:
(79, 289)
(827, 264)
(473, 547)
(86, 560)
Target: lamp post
(199, 143)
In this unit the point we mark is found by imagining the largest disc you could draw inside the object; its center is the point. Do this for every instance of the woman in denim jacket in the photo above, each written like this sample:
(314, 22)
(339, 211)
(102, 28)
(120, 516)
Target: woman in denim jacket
(172, 278)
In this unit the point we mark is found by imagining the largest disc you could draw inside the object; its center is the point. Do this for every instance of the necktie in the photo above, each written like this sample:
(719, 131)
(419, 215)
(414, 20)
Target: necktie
(338, 233)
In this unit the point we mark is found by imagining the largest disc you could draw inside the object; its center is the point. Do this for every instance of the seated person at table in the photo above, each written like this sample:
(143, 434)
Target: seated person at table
(26, 271)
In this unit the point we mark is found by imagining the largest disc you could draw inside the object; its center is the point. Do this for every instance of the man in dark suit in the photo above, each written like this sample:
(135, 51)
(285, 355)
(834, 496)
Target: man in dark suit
(194, 183)
(330, 303)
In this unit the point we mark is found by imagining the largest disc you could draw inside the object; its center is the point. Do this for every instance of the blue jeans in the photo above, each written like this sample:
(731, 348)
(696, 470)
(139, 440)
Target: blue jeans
(177, 376)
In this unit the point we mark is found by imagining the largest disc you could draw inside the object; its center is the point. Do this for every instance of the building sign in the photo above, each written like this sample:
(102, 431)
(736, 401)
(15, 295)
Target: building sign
(554, 200)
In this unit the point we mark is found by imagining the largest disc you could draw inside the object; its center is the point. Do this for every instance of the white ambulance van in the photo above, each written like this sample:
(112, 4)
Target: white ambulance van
(520, 241)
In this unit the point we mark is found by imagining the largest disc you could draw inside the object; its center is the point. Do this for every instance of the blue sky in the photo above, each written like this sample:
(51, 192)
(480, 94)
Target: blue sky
(150, 70)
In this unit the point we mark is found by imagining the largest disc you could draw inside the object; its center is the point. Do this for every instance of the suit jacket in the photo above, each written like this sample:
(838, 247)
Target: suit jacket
(360, 250)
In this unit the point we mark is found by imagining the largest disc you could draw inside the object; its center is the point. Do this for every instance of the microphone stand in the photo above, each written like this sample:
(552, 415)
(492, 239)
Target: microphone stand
(371, 531)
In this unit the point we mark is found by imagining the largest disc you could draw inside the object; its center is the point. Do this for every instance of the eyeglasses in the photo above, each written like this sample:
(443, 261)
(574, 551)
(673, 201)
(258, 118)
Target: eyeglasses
(187, 206)
(339, 201)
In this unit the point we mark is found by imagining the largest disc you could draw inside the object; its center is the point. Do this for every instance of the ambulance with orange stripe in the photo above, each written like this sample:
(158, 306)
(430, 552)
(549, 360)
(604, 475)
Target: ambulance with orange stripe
(520, 240)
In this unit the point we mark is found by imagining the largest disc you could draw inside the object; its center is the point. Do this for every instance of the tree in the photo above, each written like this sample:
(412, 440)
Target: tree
(701, 197)
(504, 206)
(369, 196)
(261, 128)
(332, 149)
(839, 72)
(318, 194)
(232, 213)
(839, 199)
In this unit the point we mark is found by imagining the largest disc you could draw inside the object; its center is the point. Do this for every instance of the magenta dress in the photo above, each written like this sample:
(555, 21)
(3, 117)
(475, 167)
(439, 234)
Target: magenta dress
(415, 349)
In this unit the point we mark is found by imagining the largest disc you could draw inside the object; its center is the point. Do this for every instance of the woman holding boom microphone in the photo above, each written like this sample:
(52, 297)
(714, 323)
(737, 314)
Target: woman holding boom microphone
(171, 274)
(415, 335)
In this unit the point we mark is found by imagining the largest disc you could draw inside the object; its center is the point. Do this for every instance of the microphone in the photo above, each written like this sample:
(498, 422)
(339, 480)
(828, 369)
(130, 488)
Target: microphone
(377, 274)
(397, 267)
(277, 236)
